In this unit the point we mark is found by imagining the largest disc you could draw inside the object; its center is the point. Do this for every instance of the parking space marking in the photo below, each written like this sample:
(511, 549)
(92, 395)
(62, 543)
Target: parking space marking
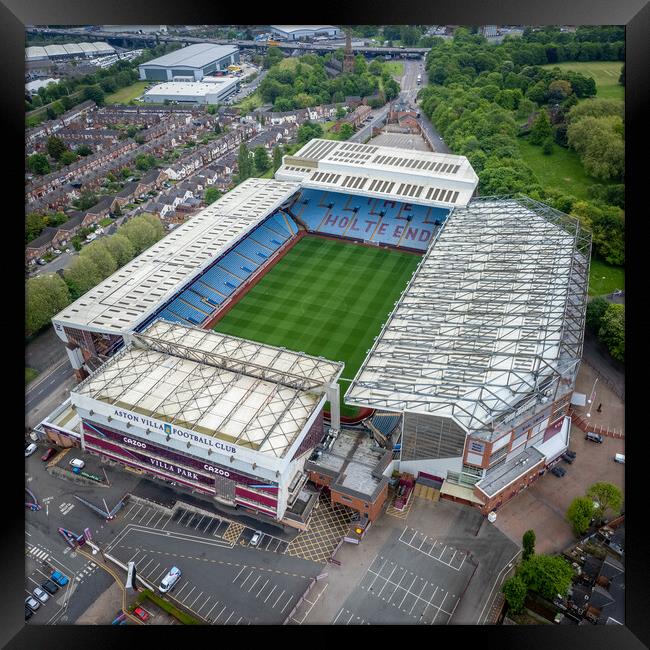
(194, 601)
(179, 592)
(226, 621)
(256, 579)
(435, 552)
(189, 593)
(270, 592)
(240, 572)
(142, 570)
(241, 586)
(199, 522)
(209, 598)
(136, 512)
(287, 603)
(280, 596)
(262, 589)
(160, 574)
(210, 612)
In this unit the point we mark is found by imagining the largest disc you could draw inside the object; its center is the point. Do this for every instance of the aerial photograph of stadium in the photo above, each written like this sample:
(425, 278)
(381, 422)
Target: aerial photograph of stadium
(325, 325)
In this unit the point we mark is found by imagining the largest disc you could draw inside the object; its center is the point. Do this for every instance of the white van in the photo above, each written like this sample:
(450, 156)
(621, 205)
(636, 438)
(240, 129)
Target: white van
(619, 458)
(77, 462)
(169, 580)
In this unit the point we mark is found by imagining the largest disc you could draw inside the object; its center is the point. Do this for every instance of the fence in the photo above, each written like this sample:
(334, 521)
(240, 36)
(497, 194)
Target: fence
(584, 425)
(312, 582)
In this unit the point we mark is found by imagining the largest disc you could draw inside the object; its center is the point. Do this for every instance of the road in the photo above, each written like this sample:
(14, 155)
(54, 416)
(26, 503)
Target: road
(247, 90)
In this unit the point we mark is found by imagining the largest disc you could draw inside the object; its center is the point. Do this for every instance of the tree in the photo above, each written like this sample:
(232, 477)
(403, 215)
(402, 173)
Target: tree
(95, 93)
(515, 590)
(83, 150)
(579, 514)
(612, 331)
(559, 90)
(143, 231)
(211, 195)
(37, 163)
(145, 162)
(345, 131)
(120, 248)
(261, 158)
(45, 296)
(546, 575)
(277, 158)
(596, 309)
(81, 276)
(340, 111)
(309, 130)
(608, 496)
(542, 128)
(86, 200)
(55, 147)
(98, 253)
(547, 146)
(528, 543)
(68, 157)
(273, 55)
(244, 164)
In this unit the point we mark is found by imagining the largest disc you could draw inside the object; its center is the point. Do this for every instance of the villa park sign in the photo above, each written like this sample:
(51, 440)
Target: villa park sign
(169, 430)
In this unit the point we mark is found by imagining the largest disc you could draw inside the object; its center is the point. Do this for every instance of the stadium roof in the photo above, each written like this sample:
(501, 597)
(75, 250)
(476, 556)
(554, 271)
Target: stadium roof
(193, 56)
(134, 292)
(492, 316)
(246, 393)
(435, 179)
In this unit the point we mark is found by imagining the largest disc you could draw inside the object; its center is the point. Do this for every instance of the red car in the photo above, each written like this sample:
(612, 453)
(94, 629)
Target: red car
(48, 454)
(141, 614)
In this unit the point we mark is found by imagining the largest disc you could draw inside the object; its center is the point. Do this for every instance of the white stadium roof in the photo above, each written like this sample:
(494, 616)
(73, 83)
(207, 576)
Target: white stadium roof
(495, 308)
(432, 179)
(134, 292)
(250, 394)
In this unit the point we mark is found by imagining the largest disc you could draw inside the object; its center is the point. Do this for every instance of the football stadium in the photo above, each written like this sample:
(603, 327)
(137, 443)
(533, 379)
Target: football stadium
(360, 313)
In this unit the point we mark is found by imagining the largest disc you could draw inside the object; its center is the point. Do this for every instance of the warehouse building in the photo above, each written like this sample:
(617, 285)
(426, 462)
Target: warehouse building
(67, 51)
(212, 90)
(303, 32)
(190, 63)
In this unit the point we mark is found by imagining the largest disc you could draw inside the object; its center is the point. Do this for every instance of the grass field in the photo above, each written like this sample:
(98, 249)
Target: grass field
(30, 375)
(604, 278)
(326, 298)
(253, 101)
(126, 94)
(604, 73)
(396, 68)
(562, 170)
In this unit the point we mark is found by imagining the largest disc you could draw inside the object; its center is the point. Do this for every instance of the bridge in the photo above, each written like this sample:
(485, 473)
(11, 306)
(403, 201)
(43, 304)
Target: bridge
(149, 40)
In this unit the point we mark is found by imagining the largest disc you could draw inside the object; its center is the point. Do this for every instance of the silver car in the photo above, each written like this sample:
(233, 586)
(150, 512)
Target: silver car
(32, 603)
(41, 595)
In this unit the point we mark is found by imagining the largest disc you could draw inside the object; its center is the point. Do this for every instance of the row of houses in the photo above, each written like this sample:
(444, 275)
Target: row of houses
(46, 129)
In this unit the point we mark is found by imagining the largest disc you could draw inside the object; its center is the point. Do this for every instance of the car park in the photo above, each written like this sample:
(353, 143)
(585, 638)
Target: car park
(50, 587)
(41, 595)
(30, 449)
(32, 603)
(59, 578)
(48, 454)
(141, 613)
(558, 471)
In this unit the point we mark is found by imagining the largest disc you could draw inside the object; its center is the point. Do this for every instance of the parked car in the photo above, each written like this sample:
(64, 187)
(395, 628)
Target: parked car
(169, 580)
(141, 613)
(619, 458)
(567, 459)
(50, 587)
(255, 539)
(59, 578)
(67, 250)
(570, 452)
(594, 437)
(57, 251)
(30, 449)
(77, 462)
(32, 603)
(28, 613)
(48, 454)
(558, 471)
(41, 595)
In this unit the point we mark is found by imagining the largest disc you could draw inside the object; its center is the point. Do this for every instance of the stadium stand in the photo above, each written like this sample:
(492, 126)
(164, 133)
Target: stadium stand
(392, 223)
(202, 298)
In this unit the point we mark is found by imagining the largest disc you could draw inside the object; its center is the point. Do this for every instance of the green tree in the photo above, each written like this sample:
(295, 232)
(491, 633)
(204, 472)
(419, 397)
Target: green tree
(37, 163)
(145, 162)
(340, 111)
(86, 200)
(515, 590)
(579, 514)
(45, 296)
(345, 131)
(528, 543)
(120, 248)
(309, 130)
(547, 146)
(244, 163)
(273, 55)
(99, 254)
(542, 128)
(55, 147)
(81, 276)
(83, 150)
(546, 575)
(277, 158)
(612, 330)
(143, 231)
(68, 157)
(596, 309)
(95, 93)
(261, 158)
(606, 495)
(211, 195)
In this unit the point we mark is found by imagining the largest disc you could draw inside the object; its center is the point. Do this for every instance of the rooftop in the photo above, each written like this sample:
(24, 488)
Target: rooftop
(508, 472)
(289, 29)
(246, 393)
(421, 177)
(193, 56)
(134, 292)
(192, 88)
(494, 312)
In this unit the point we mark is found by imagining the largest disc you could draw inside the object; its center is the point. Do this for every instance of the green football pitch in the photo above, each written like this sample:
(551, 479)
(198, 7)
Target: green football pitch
(326, 298)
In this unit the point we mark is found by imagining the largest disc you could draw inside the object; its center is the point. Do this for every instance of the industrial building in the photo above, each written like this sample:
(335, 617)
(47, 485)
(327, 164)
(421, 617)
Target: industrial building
(190, 63)
(211, 90)
(68, 51)
(302, 32)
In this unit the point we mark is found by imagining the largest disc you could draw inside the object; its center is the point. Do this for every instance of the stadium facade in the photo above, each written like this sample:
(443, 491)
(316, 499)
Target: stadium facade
(470, 377)
(190, 63)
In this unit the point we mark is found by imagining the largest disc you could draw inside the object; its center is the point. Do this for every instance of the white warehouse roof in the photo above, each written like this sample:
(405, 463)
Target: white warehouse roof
(484, 319)
(35, 52)
(192, 90)
(193, 56)
(436, 179)
(100, 46)
(290, 29)
(250, 394)
(134, 292)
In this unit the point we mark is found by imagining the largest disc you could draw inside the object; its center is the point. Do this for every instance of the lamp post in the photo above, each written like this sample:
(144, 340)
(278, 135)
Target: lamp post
(592, 397)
